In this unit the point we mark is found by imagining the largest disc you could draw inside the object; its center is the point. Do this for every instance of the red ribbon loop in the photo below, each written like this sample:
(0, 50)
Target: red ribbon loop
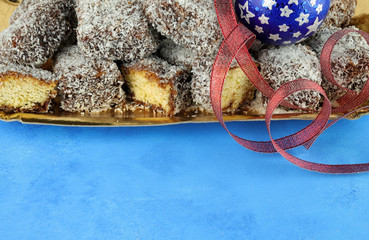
(230, 48)
(235, 46)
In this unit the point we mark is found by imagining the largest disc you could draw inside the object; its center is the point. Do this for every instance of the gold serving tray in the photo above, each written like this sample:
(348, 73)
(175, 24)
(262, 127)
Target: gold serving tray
(147, 118)
(142, 117)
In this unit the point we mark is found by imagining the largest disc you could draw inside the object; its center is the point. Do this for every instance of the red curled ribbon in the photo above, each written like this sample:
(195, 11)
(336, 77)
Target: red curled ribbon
(237, 40)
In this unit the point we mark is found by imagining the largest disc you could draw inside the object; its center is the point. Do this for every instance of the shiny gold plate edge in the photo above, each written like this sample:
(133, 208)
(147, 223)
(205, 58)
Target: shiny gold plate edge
(106, 121)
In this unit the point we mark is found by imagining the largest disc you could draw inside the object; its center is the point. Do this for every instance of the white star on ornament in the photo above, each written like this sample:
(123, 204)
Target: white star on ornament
(313, 2)
(286, 12)
(274, 37)
(294, 1)
(283, 28)
(297, 34)
(263, 19)
(319, 8)
(269, 4)
(249, 14)
(314, 27)
(287, 42)
(304, 18)
(259, 29)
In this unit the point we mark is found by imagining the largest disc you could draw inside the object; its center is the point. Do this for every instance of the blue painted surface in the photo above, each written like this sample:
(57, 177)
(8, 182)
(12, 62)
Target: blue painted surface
(177, 182)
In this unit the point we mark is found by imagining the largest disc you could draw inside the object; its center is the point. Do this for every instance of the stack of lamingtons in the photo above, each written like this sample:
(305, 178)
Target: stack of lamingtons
(91, 56)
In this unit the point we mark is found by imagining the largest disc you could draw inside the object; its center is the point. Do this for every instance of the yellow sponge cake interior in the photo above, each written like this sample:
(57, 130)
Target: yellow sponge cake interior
(25, 92)
(154, 83)
(148, 90)
(237, 90)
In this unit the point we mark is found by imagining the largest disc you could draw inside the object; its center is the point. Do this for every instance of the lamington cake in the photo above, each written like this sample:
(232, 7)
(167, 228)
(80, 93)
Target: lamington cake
(189, 23)
(88, 85)
(340, 13)
(349, 60)
(154, 83)
(237, 89)
(282, 64)
(36, 35)
(175, 54)
(66, 6)
(26, 89)
(114, 30)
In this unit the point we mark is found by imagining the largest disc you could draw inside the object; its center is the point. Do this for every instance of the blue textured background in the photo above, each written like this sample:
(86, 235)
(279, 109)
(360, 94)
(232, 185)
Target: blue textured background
(177, 182)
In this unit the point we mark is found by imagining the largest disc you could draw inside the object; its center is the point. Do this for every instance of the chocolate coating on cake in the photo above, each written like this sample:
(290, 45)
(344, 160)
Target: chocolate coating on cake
(28, 71)
(340, 13)
(66, 6)
(34, 37)
(200, 86)
(26, 5)
(87, 84)
(279, 65)
(114, 30)
(190, 23)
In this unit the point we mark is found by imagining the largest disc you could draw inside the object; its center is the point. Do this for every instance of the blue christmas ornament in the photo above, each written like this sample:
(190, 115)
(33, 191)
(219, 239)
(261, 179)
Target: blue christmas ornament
(282, 22)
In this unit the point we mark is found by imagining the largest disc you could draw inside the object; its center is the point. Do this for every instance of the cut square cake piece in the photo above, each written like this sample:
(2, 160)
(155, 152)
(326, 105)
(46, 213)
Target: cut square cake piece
(237, 89)
(88, 85)
(155, 83)
(26, 89)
